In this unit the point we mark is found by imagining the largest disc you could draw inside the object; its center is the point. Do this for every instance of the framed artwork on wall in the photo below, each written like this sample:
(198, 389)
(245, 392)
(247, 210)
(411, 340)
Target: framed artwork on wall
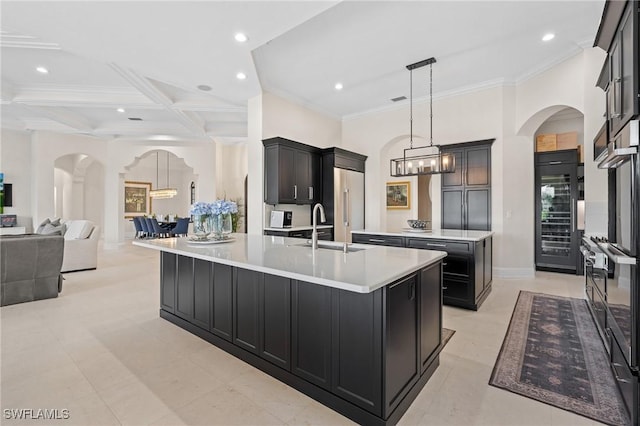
(398, 195)
(137, 201)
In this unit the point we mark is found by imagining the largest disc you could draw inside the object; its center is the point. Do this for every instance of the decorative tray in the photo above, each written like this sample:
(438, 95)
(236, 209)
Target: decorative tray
(417, 230)
(210, 241)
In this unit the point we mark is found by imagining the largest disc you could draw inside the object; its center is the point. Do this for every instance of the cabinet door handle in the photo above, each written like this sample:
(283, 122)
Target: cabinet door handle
(555, 162)
(412, 291)
(295, 192)
(375, 240)
(436, 245)
(311, 192)
(573, 216)
(345, 207)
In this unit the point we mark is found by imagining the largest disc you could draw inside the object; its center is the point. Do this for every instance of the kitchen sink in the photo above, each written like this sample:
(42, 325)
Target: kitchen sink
(326, 246)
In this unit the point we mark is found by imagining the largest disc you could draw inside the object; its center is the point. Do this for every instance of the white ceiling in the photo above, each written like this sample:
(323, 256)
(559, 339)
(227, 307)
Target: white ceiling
(149, 57)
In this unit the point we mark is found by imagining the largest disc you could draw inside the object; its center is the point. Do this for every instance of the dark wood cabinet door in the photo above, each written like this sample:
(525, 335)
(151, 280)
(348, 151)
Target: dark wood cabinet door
(302, 184)
(430, 312)
(315, 179)
(222, 301)
(246, 292)
(275, 318)
(311, 332)
(184, 295)
(356, 348)
(478, 167)
(202, 284)
(629, 67)
(401, 360)
(287, 175)
(488, 261)
(478, 209)
(452, 209)
(168, 281)
(455, 178)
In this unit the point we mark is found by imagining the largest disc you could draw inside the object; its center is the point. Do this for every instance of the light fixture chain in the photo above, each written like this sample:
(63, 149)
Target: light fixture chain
(157, 171)
(411, 109)
(430, 104)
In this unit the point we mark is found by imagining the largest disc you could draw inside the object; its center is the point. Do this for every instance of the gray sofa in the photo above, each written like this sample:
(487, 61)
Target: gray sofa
(30, 267)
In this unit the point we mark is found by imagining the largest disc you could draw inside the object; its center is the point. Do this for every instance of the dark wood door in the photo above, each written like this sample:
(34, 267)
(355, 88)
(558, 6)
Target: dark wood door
(286, 175)
(184, 294)
(630, 40)
(356, 348)
(275, 319)
(488, 261)
(453, 209)
(402, 367)
(311, 332)
(222, 301)
(477, 166)
(168, 281)
(430, 312)
(303, 179)
(202, 284)
(315, 179)
(477, 209)
(246, 291)
(455, 178)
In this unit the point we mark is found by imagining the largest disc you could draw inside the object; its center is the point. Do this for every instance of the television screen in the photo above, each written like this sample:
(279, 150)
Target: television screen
(8, 195)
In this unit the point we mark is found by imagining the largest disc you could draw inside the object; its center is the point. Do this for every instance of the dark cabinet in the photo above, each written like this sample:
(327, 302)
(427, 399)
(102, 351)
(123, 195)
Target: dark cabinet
(222, 301)
(466, 193)
(246, 288)
(292, 172)
(202, 285)
(402, 365)
(556, 194)
(311, 332)
(168, 264)
(380, 240)
(275, 320)
(184, 293)
(430, 295)
(323, 233)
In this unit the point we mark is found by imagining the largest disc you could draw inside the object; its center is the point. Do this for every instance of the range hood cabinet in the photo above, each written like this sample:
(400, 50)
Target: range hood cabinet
(620, 150)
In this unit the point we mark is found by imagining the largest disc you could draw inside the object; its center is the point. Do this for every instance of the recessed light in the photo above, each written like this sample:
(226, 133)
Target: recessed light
(241, 76)
(42, 70)
(548, 37)
(338, 86)
(204, 87)
(241, 37)
(120, 110)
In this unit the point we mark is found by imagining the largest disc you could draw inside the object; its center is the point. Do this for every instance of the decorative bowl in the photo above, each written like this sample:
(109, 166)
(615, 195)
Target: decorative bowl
(418, 224)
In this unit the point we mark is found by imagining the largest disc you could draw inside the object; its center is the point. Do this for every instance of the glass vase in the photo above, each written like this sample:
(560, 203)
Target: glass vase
(221, 226)
(201, 226)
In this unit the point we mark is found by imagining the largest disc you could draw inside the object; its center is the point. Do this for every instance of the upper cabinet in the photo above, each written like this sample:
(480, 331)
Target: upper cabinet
(618, 35)
(292, 172)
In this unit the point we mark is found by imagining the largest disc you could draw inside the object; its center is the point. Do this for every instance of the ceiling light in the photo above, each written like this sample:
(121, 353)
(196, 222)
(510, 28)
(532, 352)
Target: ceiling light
(338, 86)
(426, 163)
(548, 37)
(241, 76)
(204, 87)
(120, 110)
(42, 70)
(241, 37)
(165, 192)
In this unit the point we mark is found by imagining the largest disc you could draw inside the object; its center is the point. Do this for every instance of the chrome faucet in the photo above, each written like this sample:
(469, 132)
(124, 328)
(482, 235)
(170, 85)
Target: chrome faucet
(314, 233)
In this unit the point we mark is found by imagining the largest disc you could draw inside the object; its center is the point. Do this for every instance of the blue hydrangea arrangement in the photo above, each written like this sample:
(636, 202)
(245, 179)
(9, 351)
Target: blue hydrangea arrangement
(200, 208)
(223, 207)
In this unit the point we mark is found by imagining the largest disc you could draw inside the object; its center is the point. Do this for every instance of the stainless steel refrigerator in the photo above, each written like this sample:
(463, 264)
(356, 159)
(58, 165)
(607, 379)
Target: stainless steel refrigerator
(343, 191)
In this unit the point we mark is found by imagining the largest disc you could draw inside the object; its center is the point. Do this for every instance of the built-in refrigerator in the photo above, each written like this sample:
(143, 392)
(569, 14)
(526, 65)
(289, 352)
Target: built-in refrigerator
(343, 191)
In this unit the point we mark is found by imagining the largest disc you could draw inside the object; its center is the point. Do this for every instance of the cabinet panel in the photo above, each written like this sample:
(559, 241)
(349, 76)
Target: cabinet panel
(356, 348)
(381, 240)
(455, 289)
(202, 284)
(452, 209)
(478, 168)
(442, 245)
(401, 360)
(275, 316)
(311, 332)
(455, 178)
(430, 312)
(302, 166)
(246, 289)
(287, 175)
(478, 206)
(222, 303)
(488, 261)
(184, 295)
(168, 281)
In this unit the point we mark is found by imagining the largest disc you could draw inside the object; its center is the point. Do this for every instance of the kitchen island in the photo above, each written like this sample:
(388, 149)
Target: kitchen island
(359, 332)
(467, 272)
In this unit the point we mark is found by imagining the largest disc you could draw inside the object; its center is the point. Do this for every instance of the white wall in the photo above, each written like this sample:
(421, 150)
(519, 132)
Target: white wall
(15, 163)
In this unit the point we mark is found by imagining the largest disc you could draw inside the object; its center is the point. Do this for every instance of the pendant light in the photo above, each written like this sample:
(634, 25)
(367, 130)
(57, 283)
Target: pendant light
(165, 192)
(428, 159)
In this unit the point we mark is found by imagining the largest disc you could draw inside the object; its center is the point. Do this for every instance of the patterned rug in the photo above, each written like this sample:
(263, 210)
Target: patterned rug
(552, 353)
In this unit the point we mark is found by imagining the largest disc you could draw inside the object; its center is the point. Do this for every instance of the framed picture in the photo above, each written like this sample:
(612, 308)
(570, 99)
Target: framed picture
(137, 201)
(398, 195)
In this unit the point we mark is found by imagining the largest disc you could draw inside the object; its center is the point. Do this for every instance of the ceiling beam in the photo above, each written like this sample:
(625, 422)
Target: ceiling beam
(63, 117)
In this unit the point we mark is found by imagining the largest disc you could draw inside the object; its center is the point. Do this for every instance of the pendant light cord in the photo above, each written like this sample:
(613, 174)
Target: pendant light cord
(430, 104)
(157, 173)
(410, 109)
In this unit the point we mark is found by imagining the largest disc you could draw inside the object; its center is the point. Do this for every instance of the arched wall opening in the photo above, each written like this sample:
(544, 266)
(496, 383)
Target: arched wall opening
(77, 189)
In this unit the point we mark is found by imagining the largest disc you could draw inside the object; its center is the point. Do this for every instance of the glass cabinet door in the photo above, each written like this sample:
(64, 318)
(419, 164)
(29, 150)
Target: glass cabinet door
(556, 188)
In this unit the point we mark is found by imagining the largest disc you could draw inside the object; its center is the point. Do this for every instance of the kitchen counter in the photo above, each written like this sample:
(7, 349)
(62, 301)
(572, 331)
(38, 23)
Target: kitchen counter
(362, 271)
(360, 332)
(299, 228)
(441, 234)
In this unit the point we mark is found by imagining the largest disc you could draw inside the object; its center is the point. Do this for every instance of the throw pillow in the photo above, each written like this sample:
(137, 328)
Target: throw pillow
(50, 229)
(42, 225)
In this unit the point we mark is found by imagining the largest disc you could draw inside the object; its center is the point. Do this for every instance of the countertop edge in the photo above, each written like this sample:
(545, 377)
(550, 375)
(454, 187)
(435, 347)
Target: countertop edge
(435, 235)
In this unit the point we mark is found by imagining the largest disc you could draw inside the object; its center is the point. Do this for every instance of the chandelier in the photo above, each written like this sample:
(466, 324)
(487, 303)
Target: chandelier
(428, 159)
(163, 192)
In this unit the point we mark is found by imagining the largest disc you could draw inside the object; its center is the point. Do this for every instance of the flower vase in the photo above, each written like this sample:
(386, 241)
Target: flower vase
(221, 226)
(201, 226)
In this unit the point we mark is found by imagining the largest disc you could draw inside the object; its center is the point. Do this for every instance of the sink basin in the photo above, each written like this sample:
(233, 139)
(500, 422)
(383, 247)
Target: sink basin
(335, 247)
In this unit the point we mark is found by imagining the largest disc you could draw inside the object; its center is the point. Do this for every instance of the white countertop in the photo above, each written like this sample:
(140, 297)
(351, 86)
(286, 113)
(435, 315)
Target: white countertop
(441, 234)
(362, 271)
(299, 228)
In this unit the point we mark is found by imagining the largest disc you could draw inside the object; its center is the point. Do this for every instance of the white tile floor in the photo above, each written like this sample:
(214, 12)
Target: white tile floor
(101, 351)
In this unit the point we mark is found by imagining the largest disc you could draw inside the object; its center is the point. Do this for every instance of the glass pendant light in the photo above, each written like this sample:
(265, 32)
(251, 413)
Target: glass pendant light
(163, 192)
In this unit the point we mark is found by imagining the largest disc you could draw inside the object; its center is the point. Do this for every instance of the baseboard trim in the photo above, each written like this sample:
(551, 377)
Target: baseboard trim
(514, 272)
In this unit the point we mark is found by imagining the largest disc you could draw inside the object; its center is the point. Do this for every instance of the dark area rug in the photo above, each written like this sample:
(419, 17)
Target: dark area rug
(552, 353)
(447, 334)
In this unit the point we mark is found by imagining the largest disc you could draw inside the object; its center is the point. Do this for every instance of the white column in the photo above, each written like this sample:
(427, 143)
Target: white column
(255, 157)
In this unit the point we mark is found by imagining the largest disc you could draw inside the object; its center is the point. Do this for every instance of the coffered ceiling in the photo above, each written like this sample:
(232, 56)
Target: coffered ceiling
(149, 58)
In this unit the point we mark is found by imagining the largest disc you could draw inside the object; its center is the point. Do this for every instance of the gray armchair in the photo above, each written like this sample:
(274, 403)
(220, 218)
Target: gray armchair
(30, 267)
